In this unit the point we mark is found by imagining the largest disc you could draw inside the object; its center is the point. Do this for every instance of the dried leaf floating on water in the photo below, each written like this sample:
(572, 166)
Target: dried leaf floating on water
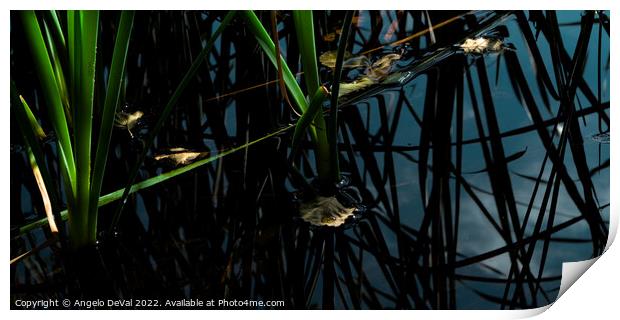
(376, 73)
(325, 211)
(383, 66)
(373, 73)
(482, 45)
(356, 62)
(181, 156)
(328, 59)
(349, 87)
(128, 120)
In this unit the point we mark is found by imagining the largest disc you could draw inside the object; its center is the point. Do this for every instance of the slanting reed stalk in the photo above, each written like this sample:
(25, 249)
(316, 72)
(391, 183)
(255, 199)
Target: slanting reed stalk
(69, 102)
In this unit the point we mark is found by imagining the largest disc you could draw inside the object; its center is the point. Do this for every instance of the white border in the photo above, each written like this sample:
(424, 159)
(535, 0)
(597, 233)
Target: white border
(595, 294)
(306, 4)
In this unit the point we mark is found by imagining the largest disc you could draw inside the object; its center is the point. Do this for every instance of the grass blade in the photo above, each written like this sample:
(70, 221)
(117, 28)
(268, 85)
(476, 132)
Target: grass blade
(307, 118)
(56, 54)
(86, 48)
(112, 99)
(304, 26)
(52, 97)
(33, 133)
(47, 204)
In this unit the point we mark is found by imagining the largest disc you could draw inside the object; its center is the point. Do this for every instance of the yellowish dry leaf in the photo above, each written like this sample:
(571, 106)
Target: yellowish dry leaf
(346, 88)
(128, 120)
(382, 67)
(47, 205)
(181, 156)
(325, 211)
(481, 45)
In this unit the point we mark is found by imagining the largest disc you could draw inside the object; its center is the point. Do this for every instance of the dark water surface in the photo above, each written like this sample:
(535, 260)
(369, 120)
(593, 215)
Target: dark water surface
(480, 173)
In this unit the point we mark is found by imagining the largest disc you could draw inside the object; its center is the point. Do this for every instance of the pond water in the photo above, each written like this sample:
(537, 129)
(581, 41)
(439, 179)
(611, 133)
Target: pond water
(479, 173)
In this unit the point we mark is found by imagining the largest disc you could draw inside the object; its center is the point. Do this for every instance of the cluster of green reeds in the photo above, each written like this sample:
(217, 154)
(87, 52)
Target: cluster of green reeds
(64, 51)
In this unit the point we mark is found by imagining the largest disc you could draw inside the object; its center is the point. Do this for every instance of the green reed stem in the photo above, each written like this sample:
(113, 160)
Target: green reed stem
(112, 101)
